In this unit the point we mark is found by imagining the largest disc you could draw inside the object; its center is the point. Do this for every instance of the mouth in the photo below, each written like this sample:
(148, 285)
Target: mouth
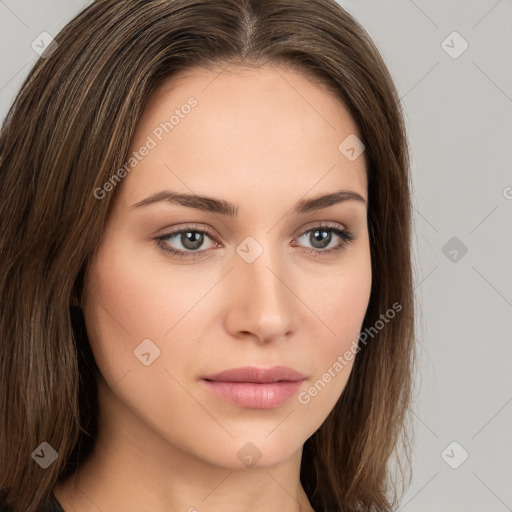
(255, 388)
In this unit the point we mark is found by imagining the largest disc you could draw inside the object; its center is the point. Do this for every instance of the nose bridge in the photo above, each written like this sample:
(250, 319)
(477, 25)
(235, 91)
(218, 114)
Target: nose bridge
(263, 299)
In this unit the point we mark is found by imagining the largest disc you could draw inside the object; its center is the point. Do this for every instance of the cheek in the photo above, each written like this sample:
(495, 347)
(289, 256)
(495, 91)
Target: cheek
(126, 303)
(341, 306)
(342, 301)
(123, 305)
(133, 296)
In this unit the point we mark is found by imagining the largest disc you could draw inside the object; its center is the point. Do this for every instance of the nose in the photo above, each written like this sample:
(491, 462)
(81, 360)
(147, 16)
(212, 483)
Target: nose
(261, 300)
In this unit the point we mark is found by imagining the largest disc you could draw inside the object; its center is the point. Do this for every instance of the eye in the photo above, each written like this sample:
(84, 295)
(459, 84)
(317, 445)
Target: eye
(321, 237)
(192, 238)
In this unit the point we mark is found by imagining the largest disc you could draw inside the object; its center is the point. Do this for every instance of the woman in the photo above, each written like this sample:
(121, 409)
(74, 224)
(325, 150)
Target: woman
(206, 284)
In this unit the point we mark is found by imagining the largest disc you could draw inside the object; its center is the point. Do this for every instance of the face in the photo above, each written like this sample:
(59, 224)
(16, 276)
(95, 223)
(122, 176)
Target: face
(258, 277)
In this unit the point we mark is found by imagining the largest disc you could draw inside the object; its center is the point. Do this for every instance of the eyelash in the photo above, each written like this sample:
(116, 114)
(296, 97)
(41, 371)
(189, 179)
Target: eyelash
(346, 236)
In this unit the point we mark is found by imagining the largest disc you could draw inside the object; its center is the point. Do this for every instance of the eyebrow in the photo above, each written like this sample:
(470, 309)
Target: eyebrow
(222, 207)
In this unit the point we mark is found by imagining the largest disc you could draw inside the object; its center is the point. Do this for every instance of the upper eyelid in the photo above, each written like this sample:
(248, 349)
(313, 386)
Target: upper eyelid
(210, 232)
(327, 224)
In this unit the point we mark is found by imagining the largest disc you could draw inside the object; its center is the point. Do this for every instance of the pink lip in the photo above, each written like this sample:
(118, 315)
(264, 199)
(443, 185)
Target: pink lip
(256, 388)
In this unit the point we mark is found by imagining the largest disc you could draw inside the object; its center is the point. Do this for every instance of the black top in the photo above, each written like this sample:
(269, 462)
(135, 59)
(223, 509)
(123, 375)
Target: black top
(52, 506)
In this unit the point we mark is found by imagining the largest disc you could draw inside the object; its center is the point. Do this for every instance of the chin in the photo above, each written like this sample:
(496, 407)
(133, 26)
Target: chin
(251, 451)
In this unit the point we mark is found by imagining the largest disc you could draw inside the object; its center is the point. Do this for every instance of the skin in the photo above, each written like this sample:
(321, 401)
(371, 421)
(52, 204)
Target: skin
(263, 139)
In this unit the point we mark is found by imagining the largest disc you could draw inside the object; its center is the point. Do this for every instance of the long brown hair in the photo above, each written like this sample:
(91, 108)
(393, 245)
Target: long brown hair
(68, 131)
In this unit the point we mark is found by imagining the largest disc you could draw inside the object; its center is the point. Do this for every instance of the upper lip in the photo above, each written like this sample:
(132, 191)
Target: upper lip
(257, 375)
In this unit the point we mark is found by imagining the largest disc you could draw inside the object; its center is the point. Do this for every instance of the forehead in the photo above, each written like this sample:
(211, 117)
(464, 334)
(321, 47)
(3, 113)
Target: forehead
(258, 130)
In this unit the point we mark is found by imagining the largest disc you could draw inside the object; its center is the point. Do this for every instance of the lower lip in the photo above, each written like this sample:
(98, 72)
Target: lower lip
(254, 395)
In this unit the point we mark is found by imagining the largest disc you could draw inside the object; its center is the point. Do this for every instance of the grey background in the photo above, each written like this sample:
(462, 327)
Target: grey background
(458, 112)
